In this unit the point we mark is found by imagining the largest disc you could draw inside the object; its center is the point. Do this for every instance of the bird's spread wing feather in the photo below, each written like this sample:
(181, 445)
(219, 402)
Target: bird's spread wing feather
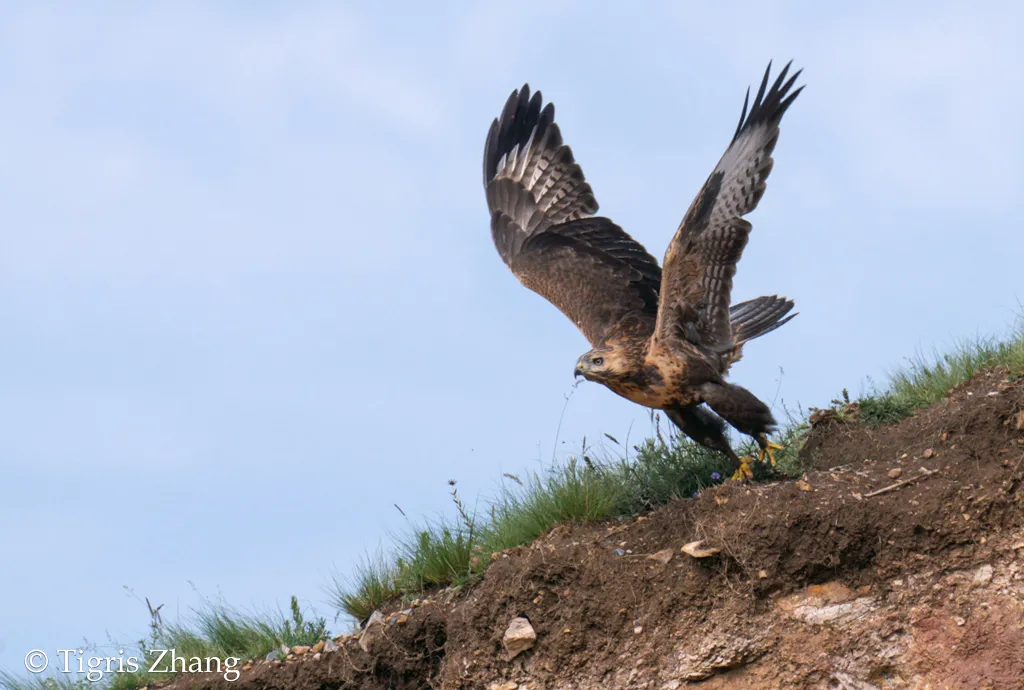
(701, 260)
(544, 229)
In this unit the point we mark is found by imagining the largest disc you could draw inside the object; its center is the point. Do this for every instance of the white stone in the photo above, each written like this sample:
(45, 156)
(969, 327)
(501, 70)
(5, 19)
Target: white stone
(519, 637)
(372, 631)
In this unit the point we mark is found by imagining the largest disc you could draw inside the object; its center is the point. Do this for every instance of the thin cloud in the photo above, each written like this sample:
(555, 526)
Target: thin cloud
(235, 63)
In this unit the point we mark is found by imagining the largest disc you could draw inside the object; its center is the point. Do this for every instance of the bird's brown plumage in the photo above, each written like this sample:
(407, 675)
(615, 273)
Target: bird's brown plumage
(663, 338)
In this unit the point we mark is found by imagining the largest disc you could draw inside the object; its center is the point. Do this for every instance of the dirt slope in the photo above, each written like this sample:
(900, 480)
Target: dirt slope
(822, 583)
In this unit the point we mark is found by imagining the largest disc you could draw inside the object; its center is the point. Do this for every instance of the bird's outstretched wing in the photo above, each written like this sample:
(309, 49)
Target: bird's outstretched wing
(543, 227)
(701, 259)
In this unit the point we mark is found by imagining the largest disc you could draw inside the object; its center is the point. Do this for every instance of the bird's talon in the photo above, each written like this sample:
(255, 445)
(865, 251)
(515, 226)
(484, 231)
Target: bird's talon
(768, 451)
(744, 471)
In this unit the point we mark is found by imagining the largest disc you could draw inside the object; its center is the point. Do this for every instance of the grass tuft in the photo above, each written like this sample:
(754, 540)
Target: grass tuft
(667, 469)
(373, 584)
(577, 491)
(218, 631)
(215, 632)
(923, 381)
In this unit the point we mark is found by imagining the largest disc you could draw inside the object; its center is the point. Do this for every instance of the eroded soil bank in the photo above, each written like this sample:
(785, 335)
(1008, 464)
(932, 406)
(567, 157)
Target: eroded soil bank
(897, 563)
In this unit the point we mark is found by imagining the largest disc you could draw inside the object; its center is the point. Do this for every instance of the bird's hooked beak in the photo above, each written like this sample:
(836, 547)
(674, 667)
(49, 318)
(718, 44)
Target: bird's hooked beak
(579, 371)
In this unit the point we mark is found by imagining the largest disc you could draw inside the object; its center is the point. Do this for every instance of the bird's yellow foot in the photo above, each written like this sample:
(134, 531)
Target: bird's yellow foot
(744, 471)
(768, 451)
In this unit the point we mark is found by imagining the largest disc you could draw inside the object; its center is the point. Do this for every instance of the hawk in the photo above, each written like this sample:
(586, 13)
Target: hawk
(662, 336)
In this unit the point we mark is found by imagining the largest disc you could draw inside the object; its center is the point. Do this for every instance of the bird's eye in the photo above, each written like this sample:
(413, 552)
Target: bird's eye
(598, 361)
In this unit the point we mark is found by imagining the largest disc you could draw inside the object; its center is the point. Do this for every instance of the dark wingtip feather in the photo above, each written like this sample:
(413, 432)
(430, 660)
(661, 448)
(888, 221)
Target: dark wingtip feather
(770, 103)
(522, 112)
(743, 113)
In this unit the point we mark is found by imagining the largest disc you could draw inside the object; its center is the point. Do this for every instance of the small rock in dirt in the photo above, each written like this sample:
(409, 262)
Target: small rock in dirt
(519, 637)
(247, 667)
(285, 650)
(983, 575)
(374, 628)
(638, 629)
(618, 552)
(317, 656)
(943, 436)
(663, 556)
(763, 574)
(895, 473)
(698, 550)
(509, 685)
(318, 647)
(1020, 421)
(300, 649)
(402, 619)
(331, 646)
(718, 653)
(929, 453)
(803, 486)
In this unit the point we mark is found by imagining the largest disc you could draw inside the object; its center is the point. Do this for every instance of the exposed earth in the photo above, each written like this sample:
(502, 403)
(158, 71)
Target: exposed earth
(898, 562)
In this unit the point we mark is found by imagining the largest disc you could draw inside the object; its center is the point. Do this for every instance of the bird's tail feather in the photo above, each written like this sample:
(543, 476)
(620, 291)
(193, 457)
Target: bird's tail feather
(754, 318)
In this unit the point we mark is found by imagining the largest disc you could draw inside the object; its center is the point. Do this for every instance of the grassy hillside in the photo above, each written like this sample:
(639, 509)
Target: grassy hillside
(595, 484)
(662, 468)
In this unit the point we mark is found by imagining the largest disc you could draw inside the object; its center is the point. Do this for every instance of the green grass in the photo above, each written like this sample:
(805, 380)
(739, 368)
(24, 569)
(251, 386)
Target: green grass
(220, 632)
(584, 488)
(579, 490)
(214, 631)
(374, 582)
(922, 381)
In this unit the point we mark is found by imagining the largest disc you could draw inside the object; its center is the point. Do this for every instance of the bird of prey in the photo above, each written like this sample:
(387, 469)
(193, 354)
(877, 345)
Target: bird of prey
(662, 336)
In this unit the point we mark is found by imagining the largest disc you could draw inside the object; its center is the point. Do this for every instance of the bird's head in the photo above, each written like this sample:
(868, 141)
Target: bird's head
(597, 365)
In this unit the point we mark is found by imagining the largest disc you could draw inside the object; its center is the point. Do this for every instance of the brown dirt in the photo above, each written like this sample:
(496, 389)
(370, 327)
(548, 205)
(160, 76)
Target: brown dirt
(817, 583)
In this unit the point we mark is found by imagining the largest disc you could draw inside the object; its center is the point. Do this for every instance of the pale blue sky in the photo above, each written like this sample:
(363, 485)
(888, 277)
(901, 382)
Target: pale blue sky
(248, 292)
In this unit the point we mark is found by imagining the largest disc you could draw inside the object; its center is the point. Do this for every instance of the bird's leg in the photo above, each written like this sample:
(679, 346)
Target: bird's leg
(740, 408)
(707, 429)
